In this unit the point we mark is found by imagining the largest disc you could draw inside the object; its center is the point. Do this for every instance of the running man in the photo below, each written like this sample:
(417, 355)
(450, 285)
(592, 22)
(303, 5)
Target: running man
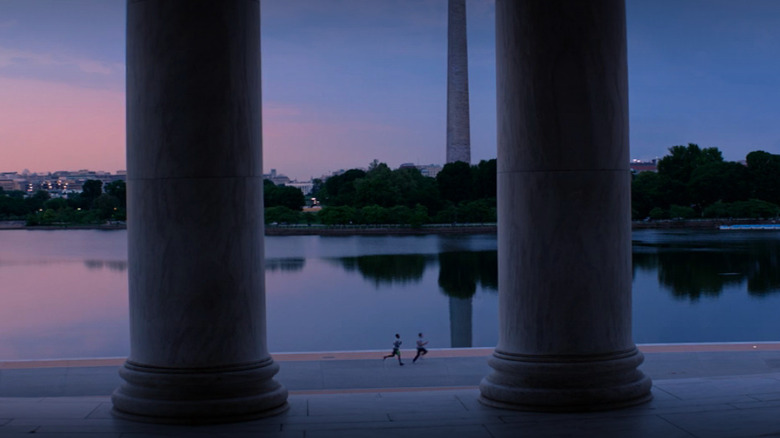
(396, 349)
(421, 343)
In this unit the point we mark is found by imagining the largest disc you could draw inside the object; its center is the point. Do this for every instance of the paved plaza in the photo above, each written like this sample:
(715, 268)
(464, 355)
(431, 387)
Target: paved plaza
(702, 390)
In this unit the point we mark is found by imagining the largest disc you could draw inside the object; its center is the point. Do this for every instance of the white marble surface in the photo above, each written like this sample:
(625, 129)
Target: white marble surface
(563, 88)
(198, 350)
(458, 126)
(564, 244)
(193, 98)
(564, 258)
(196, 277)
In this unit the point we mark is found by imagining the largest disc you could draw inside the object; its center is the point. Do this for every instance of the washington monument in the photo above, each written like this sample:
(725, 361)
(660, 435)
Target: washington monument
(458, 135)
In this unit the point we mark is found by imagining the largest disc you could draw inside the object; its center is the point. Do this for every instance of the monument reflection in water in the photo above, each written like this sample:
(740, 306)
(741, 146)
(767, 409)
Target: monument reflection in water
(460, 273)
(64, 292)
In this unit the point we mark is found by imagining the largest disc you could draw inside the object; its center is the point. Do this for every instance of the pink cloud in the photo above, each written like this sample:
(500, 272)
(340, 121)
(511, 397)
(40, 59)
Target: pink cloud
(47, 126)
(9, 57)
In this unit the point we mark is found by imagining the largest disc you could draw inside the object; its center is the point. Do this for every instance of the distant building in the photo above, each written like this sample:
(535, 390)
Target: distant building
(277, 178)
(429, 170)
(7, 184)
(58, 183)
(638, 166)
(305, 186)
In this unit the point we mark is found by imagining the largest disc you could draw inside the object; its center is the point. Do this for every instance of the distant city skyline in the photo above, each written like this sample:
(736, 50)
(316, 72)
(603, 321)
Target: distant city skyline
(349, 81)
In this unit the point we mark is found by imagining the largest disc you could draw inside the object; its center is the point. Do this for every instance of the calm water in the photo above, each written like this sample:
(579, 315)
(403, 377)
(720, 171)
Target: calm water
(64, 293)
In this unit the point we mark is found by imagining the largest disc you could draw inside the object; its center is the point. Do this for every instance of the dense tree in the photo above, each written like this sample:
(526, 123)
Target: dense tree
(282, 215)
(91, 189)
(12, 205)
(764, 170)
(683, 160)
(719, 181)
(340, 189)
(646, 193)
(338, 215)
(118, 189)
(55, 204)
(36, 201)
(282, 196)
(481, 210)
(695, 182)
(455, 182)
(377, 188)
(106, 206)
(374, 215)
(485, 179)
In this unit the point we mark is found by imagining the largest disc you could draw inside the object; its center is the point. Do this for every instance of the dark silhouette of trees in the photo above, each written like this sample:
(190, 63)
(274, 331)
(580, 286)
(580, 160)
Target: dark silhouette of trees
(340, 189)
(764, 169)
(693, 182)
(90, 191)
(282, 196)
(459, 193)
(118, 189)
(455, 182)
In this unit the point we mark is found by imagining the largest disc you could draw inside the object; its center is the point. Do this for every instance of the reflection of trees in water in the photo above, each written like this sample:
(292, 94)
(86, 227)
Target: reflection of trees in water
(113, 265)
(288, 264)
(695, 272)
(388, 269)
(460, 272)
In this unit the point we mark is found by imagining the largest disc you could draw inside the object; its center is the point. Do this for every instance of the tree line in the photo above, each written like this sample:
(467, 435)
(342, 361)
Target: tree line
(690, 182)
(94, 205)
(460, 193)
(695, 182)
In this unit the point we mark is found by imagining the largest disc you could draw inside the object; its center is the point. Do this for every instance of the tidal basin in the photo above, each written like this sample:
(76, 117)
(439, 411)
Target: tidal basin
(64, 292)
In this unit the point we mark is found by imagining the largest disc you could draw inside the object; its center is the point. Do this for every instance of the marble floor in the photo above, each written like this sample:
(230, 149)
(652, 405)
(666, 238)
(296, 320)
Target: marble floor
(703, 390)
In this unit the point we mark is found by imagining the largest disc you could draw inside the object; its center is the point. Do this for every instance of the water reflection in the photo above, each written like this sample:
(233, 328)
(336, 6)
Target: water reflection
(388, 269)
(65, 292)
(285, 264)
(461, 271)
(460, 274)
(692, 269)
(114, 265)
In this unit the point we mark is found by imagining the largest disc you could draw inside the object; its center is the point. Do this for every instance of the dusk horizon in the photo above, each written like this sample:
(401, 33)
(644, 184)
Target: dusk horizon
(347, 82)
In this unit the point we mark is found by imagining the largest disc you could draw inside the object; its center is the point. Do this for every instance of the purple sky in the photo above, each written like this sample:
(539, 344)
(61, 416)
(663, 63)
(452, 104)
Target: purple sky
(349, 81)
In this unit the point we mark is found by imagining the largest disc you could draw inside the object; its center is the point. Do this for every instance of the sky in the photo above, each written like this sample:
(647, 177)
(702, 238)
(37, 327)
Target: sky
(349, 81)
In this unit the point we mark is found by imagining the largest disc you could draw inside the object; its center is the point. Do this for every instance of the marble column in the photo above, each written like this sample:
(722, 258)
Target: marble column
(564, 229)
(458, 130)
(198, 351)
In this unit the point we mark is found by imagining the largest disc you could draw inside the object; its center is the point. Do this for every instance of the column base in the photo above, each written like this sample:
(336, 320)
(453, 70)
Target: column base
(199, 396)
(565, 383)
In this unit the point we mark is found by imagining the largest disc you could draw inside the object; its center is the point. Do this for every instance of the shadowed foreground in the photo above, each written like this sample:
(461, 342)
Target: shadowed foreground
(724, 390)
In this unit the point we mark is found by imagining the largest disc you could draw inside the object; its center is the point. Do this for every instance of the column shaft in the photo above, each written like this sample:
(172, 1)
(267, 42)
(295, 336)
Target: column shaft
(195, 216)
(563, 206)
